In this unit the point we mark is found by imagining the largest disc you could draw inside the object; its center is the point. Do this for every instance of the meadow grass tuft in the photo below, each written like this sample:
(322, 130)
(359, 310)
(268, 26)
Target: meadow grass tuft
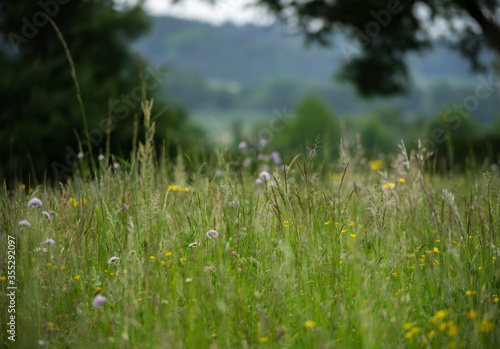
(351, 254)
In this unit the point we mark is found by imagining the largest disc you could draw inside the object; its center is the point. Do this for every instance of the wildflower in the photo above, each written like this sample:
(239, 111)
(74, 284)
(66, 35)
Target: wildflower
(412, 332)
(351, 223)
(353, 235)
(63, 267)
(77, 277)
(212, 234)
(485, 325)
(80, 155)
(470, 292)
(264, 339)
(243, 145)
(472, 314)
(276, 157)
(375, 165)
(113, 259)
(273, 184)
(401, 180)
(407, 326)
(188, 280)
(168, 254)
(234, 254)
(22, 186)
(436, 250)
(186, 189)
(326, 223)
(265, 175)
(116, 166)
(440, 315)
(99, 300)
(74, 202)
(183, 259)
(390, 185)
(263, 142)
(24, 223)
(98, 289)
(258, 181)
(309, 324)
(35, 202)
(125, 208)
(100, 157)
(431, 334)
(452, 329)
(152, 258)
(46, 214)
(193, 244)
(496, 299)
(3, 278)
(49, 241)
(247, 162)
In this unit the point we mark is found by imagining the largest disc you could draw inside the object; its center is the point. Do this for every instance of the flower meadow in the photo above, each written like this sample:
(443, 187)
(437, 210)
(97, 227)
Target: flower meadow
(249, 253)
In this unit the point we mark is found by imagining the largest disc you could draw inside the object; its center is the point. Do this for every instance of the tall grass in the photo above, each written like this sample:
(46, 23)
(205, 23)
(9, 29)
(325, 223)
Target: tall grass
(349, 254)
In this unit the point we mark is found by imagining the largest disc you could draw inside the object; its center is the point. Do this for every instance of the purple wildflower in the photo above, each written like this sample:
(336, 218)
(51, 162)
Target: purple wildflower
(113, 259)
(35, 202)
(258, 181)
(100, 157)
(49, 241)
(80, 155)
(99, 300)
(265, 175)
(276, 157)
(243, 145)
(212, 234)
(24, 223)
(247, 162)
(271, 184)
(125, 207)
(46, 214)
(263, 142)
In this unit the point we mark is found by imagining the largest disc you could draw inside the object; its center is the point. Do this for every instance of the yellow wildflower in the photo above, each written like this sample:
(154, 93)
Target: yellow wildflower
(390, 185)
(309, 324)
(485, 325)
(472, 314)
(264, 339)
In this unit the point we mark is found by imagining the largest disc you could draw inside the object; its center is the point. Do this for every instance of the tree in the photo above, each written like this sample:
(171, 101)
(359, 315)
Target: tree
(382, 32)
(41, 117)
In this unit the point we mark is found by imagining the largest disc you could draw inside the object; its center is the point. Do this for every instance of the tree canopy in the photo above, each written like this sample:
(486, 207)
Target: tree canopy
(381, 33)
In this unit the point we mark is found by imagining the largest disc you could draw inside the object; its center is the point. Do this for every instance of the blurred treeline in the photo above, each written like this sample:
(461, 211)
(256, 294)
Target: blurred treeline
(453, 134)
(42, 127)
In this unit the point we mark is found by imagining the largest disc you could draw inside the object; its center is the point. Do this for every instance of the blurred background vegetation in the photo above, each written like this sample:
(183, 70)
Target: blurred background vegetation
(226, 84)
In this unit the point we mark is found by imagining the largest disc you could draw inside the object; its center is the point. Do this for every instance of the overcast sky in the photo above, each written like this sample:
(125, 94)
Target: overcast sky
(235, 11)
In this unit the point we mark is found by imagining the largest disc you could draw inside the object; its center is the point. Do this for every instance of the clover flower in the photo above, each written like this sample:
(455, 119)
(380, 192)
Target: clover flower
(99, 300)
(49, 241)
(212, 234)
(113, 259)
(35, 202)
(46, 214)
(24, 223)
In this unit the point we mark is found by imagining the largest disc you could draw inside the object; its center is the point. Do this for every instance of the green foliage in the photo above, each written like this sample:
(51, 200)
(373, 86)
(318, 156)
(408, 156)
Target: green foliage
(313, 119)
(41, 124)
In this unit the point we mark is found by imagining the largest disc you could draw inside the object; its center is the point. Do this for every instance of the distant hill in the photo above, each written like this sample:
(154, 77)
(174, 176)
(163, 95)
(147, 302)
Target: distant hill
(249, 69)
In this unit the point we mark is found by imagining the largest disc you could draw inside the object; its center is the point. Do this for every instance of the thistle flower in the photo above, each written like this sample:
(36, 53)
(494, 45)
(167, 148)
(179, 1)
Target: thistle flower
(24, 223)
(243, 145)
(113, 259)
(49, 241)
(265, 175)
(99, 300)
(46, 214)
(212, 234)
(35, 202)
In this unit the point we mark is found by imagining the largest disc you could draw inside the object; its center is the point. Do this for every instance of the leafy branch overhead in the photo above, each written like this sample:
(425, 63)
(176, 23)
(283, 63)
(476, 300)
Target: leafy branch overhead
(382, 33)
